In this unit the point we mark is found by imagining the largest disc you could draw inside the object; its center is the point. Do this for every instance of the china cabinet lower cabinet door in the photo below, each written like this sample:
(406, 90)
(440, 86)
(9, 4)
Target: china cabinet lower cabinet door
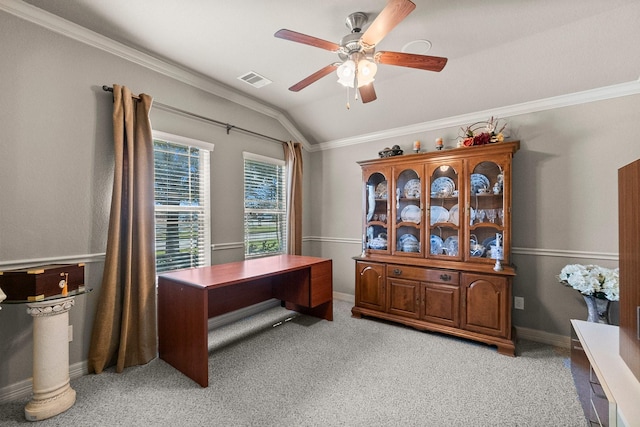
(370, 280)
(441, 304)
(403, 297)
(486, 305)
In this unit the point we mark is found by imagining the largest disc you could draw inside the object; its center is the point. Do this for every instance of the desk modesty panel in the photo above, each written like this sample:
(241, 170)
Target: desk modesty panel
(188, 298)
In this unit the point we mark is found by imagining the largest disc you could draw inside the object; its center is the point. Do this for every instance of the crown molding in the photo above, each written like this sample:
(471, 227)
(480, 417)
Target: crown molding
(584, 97)
(69, 29)
(76, 32)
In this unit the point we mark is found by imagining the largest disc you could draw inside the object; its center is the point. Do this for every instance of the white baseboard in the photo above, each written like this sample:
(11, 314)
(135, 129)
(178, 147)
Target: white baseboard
(543, 337)
(344, 297)
(23, 389)
(225, 319)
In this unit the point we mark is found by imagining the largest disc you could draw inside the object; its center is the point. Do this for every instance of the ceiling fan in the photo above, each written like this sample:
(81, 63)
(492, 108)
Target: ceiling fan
(357, 50)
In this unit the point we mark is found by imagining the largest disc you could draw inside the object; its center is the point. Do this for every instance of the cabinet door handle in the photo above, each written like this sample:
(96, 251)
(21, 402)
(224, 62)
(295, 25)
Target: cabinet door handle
(397, 271)
(445, 277)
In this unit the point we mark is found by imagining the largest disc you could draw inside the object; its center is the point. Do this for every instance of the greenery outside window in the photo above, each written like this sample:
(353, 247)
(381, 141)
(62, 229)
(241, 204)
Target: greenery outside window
(265, 206)
(182, 209)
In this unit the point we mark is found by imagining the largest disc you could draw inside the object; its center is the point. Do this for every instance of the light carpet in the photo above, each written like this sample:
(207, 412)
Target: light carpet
(349, 372)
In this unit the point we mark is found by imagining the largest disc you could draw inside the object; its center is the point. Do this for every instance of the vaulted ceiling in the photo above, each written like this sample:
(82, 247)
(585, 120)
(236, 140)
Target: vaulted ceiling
(501, 52)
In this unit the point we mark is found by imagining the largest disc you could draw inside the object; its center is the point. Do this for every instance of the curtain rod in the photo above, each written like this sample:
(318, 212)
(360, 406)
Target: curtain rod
(228, 126)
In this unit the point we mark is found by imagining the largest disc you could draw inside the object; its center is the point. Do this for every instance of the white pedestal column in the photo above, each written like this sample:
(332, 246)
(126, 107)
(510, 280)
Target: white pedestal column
(52, 393)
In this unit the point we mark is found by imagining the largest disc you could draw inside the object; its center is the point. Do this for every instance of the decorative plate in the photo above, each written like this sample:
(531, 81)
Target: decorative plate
(439, 214)
(407, 238)
(454, 215)
(408, 243)
(478, 181)
(411, 213)
(442, 187)
(451, 245)
(412, 189)
(381, 190)
(435, 245)
(488, 242)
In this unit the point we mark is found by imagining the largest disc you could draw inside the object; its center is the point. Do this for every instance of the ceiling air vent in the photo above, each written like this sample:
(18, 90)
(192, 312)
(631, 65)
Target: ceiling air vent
(254, 79)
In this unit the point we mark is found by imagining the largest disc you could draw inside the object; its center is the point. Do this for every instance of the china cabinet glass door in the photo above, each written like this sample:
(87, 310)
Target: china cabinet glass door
(488, 217)
(445, 214)
(407, 209)
(377, 213)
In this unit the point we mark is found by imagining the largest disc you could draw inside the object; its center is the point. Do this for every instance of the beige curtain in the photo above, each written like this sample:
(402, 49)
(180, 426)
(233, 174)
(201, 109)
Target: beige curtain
(293, 160)
(124, 329)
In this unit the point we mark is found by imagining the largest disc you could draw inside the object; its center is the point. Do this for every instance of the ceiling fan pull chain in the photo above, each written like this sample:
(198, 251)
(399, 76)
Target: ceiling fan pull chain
(348, 106)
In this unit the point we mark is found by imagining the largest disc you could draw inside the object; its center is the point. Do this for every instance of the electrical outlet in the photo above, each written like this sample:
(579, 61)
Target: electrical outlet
(518, 302)
(70, 333)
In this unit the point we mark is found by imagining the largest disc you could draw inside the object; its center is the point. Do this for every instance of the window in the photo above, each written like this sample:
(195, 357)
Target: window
(265, 206)
(182, 212)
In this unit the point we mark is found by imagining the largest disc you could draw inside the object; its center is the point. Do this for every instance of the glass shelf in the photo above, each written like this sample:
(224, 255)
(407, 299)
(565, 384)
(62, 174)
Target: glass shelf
(80, 291)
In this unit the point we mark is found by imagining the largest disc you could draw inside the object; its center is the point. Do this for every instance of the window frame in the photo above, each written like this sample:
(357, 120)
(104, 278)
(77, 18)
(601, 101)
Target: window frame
(205, 182)
(283, 213)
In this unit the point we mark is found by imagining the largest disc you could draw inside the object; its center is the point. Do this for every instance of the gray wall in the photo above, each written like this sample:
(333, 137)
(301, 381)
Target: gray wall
(56, 167)
(57, 162)
(564, 201)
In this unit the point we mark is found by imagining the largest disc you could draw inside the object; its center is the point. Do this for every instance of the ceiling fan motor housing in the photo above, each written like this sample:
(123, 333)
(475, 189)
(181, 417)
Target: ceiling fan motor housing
(350, 44)
(356, 21)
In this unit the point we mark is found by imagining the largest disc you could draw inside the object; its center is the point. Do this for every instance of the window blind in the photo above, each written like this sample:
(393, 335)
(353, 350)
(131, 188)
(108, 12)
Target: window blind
(181, 205)
(265, 206)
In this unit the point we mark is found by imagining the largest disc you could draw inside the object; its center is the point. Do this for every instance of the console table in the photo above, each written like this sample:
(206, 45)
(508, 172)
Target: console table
(608, 390)
(188, 298)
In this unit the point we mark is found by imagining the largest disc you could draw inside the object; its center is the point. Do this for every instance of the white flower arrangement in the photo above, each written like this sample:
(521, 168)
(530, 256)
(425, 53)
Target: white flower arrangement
(592, 280)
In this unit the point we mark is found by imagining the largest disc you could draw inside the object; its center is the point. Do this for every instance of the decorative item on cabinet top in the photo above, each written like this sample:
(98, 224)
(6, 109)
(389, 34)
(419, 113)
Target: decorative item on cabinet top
(390, 152)
(482, 133)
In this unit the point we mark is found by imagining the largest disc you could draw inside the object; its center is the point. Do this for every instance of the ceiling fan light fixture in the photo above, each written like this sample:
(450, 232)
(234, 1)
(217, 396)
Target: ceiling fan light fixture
(366, 72)
(346, 73)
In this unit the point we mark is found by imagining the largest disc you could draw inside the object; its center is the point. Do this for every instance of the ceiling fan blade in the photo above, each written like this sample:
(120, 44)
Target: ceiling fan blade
(313, 78)
(305, 39)
(393, 13)
(367, 93)
(422, 62)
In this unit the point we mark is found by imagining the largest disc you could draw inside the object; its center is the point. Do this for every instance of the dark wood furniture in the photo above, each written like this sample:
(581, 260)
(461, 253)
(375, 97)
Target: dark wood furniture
(430, 225)
(629, 242)
(38, 283)
(188, 298)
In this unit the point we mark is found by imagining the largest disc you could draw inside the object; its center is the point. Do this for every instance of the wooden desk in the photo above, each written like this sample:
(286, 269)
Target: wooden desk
(188, 298)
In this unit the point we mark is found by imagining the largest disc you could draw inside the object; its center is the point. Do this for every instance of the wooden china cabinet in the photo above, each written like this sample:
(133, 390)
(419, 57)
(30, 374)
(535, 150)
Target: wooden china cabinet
(433, 226)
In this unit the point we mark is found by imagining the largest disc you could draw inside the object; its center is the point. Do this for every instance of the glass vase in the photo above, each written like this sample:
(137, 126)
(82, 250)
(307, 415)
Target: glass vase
(598, 309)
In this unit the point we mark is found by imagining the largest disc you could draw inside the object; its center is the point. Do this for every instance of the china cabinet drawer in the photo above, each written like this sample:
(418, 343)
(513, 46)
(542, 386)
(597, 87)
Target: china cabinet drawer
(422, 274)
(406, 272)
(443, 276)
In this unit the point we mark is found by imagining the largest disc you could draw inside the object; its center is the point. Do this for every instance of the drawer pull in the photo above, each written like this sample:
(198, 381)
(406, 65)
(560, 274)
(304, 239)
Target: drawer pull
(445, 277)
(397, 271)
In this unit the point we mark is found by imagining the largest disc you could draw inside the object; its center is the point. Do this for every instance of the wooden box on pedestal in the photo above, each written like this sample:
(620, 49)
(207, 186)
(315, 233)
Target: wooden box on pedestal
(37, 283)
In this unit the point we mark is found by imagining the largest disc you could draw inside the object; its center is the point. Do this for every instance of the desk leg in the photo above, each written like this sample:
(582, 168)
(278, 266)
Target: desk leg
(182, 329)
(52, 393)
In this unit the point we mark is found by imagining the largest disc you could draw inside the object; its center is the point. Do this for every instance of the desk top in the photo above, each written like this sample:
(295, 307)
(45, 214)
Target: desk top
(235, 272)
(601, 345)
